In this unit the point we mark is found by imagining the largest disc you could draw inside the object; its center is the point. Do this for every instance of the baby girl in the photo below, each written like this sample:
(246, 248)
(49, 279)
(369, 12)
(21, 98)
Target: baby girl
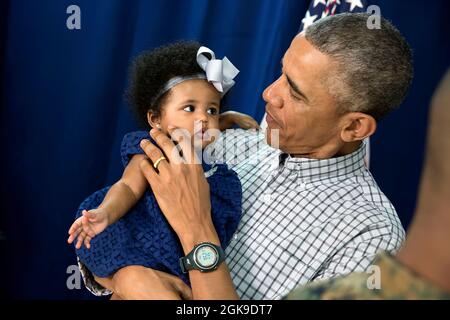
(177, 85)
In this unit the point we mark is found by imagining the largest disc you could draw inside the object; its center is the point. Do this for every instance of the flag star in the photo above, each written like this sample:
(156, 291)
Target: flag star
(354, 3)
(316, 2)
(308, 20)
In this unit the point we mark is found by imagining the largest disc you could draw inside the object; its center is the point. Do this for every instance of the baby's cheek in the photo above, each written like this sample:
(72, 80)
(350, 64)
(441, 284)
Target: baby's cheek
(180, 128)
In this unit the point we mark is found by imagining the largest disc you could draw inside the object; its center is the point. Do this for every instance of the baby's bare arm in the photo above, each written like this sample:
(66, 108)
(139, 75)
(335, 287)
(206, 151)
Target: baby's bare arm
(126, 192)
(121, 197)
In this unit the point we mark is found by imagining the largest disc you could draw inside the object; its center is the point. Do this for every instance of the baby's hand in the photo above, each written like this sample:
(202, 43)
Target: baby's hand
(90, 224)
(230, 118)
(245, 121)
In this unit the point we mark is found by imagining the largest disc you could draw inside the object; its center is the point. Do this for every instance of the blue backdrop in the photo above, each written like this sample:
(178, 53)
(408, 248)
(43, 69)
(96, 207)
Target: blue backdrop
(63, 114)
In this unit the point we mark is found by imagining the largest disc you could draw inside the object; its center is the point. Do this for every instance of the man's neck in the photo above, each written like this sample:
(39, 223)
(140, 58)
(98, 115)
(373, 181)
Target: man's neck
(348, 148)
(327, 152)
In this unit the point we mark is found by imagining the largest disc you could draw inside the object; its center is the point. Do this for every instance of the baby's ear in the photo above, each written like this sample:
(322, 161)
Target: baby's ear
(153, 119)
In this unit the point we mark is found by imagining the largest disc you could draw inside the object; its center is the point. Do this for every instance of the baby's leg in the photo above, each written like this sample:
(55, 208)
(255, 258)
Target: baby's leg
(141, 283)
(115, 296)
(108, 284)
(105, 282)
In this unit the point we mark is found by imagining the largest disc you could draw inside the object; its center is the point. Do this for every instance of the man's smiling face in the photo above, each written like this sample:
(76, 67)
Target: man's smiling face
(300, 106)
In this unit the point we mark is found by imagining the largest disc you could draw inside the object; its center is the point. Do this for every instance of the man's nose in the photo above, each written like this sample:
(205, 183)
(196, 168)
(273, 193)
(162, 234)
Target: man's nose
(272, 94)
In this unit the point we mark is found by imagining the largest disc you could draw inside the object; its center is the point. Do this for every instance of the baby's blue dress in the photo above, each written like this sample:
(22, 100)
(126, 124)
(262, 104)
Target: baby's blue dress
(143, 236)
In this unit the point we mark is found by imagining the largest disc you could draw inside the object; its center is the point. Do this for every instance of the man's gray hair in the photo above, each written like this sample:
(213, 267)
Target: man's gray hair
(373, 66)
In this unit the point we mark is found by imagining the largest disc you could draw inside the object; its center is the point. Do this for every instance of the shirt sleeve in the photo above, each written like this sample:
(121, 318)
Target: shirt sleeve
(358, 254)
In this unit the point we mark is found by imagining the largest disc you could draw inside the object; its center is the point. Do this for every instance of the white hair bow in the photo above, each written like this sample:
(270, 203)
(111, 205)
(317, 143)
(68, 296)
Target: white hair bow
(219, 72)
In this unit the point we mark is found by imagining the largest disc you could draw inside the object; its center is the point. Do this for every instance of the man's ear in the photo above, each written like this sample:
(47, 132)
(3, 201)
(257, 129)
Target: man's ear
(153, 120)
(357, 126)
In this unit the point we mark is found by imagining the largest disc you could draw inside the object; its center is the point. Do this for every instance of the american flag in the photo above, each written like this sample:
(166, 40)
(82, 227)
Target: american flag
(319, 9)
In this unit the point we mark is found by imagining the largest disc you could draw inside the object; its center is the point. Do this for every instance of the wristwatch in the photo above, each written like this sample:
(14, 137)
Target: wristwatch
(205, 257)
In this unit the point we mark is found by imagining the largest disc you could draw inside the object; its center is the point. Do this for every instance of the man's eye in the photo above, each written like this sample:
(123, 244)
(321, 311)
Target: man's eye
(212, 111)
(189, 108)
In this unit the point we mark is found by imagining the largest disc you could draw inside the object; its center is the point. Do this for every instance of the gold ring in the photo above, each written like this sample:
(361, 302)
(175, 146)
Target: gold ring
(156, 164)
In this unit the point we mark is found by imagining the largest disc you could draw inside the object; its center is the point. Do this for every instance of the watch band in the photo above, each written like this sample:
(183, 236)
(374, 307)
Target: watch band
(190, 261)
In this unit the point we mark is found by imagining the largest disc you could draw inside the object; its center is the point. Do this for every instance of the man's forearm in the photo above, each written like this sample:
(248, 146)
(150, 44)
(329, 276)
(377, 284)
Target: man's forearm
(215, 285)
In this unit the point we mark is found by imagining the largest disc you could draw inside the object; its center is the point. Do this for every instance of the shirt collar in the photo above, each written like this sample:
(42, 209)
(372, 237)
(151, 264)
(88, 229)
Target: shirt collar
(318, 169)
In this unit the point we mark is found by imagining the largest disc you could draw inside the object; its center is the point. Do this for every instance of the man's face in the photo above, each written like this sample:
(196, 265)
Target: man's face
(299, 105)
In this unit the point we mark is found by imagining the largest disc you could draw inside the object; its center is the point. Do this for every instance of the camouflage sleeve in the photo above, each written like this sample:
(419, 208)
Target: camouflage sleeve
(389, 281)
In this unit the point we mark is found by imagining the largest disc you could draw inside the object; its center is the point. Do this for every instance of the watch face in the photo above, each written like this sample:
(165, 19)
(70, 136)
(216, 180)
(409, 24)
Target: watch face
(206, 256)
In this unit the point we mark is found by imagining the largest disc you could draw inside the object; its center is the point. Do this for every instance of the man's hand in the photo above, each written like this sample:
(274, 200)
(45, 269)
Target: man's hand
(86, 227)
(182, 192)
(180, 187)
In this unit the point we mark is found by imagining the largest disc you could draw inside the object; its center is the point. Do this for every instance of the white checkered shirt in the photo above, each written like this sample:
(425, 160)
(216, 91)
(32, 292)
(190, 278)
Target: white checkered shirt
(303, 219)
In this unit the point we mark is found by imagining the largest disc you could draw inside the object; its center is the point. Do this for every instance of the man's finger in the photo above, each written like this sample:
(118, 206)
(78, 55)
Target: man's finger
(167, 145)
(149, 172)
(154, 154)
(184, 140)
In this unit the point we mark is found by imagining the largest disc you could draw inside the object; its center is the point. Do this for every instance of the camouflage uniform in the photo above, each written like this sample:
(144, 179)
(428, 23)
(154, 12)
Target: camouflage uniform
(397, 282)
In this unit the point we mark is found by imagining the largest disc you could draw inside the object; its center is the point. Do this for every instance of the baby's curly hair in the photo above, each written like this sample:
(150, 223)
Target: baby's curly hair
(151, 70)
